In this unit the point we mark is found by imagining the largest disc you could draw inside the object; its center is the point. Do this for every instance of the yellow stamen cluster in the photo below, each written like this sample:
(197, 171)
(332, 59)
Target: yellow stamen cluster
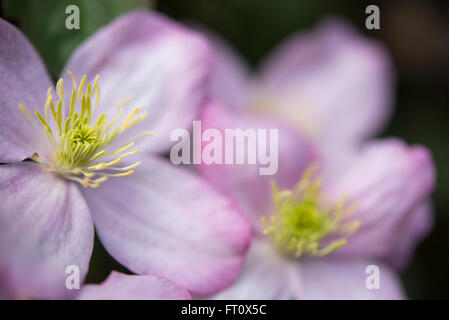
(302, 222)
(81, 140)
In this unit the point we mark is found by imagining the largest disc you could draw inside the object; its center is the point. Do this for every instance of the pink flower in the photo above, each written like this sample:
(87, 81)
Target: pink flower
(328, 90)
(160, 220)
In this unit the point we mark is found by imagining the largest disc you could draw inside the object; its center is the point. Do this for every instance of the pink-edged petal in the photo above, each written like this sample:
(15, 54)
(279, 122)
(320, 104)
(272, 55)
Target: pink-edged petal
(326, 279)
(414, 230)
(244, 182)
(330, 81)
(119, 286)
(145, 55)
(230, 80)
(388, 181)
(23, 79)
(266, 275)
(45, 226)
(164, 220)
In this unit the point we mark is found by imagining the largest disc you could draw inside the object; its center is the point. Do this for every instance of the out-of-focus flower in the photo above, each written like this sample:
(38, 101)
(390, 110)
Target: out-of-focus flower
(315, 233)
(119, 286)
(315, 239)
(333, 84)
(160, 220)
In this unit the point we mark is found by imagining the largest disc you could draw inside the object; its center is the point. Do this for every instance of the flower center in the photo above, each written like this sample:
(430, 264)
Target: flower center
(83, 141)
(303, 225)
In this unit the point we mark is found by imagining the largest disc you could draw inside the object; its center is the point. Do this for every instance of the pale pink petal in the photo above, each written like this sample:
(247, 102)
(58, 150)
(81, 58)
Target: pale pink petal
(266, 275)
(326, 279)
(45, 226)
(146, 55)
(230, 81)
(414, 230)
(119, 286)
(387, 182)
(331, 81)
(244, 182)
(23, 79)
(164, 220)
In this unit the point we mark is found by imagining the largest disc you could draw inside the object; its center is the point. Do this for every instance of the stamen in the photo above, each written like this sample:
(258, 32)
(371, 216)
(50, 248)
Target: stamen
(122, 148)
(303, 224)
(98, 155)
(129, 153)
(80, 90)
(133, 166)
(74, 84)
(46, 126)
(25, 111)
(103, 165)
(147, 134)
(72, 102)
(97, 89)
(127, 100)
(124, 174)
(83, 137)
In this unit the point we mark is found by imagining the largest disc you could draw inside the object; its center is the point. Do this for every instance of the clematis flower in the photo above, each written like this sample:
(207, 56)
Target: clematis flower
(348, 204)
(314, 237)
(119, 286)
(73, 158)
(333, 84)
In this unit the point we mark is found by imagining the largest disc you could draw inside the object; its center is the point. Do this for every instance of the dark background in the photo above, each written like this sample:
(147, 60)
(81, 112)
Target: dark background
(415, 32)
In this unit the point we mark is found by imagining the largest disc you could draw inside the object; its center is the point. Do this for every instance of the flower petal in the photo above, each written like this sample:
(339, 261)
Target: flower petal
(332, 82)
(119, 286)
(163, 220)
(415, 229)
(325, 279)
(243, 182)
(388, 181)
(161, 64)
(45, 226)
(23, 79)
(265, 276)
(230, 81)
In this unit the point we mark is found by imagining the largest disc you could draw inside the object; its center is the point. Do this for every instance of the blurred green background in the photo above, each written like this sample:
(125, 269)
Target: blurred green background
(415, 32)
